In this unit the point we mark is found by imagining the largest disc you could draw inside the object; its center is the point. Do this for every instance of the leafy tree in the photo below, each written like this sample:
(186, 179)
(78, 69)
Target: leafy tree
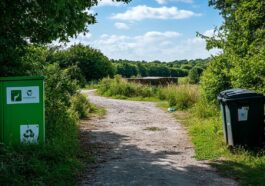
(142, 70)
(242, 38)
(127, 70)
(39, 22)
(164, 69)
(177, 72)
(186, 67)
(34, 60)
(159, 70)
(91, 62)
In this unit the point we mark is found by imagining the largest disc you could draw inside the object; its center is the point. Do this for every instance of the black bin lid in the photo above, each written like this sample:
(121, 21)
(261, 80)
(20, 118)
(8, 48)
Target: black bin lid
(238, 94)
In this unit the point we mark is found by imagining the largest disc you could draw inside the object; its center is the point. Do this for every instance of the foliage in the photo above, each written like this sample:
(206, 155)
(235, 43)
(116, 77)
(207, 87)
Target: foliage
(80, 105)
(39, 22)
(33, 60)
(92, 64)
(121, 88)
(92, 84)
(127, 68)
(242, 39)
(172, 100)
(181, 97)
(75, 73)
(216, 78)
(194, 75)
(249, 72)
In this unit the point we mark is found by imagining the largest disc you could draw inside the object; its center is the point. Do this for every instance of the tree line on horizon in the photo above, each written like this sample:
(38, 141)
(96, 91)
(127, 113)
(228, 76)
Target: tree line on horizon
(94, 65)
(88, 64)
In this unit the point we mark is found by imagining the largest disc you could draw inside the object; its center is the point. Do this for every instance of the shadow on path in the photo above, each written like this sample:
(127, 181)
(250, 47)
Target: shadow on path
(119, 163)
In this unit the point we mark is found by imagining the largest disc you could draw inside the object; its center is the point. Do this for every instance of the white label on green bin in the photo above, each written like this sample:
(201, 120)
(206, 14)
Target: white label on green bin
(22, 95)
(243, 113)
(29, 133)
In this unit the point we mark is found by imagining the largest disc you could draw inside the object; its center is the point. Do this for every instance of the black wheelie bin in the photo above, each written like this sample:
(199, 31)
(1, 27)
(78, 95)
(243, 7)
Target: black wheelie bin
(243, 117)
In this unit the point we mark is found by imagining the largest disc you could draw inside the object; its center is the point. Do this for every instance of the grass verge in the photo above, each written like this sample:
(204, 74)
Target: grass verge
(247, 167)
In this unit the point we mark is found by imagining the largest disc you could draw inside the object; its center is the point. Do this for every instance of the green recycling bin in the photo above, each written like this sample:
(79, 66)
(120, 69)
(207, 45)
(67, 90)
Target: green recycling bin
(22, 118)
(243, 117)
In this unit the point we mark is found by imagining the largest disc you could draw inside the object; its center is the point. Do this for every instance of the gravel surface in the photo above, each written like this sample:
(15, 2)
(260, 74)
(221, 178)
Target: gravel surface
(143, 145)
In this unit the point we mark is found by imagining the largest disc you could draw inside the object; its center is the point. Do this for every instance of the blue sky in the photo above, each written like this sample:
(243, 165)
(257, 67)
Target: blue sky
(150, 30)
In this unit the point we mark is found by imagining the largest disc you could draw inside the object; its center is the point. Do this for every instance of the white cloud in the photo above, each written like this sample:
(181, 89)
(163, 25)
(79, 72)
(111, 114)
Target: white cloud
(142, 12)
(209, 33)
(153, 45)
(121, 26)
(167, 1)
(80, 38)
(109, 3)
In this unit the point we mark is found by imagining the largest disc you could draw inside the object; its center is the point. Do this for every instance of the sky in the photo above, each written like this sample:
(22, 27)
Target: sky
(151, 30)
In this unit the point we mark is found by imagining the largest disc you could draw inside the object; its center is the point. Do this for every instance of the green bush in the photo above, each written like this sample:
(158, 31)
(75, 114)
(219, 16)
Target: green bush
(216, 78)
(194, 75)
(80, 105)
(249, 72)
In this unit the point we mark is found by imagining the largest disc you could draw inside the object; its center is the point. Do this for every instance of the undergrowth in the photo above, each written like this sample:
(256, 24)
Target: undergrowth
(181, 97)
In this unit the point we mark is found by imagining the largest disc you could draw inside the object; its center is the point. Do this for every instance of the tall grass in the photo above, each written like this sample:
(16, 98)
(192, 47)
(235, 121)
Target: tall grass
(119, 87)
(181, 97)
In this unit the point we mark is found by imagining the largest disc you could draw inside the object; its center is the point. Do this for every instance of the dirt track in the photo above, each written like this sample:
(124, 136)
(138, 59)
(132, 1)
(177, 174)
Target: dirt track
(143, 145)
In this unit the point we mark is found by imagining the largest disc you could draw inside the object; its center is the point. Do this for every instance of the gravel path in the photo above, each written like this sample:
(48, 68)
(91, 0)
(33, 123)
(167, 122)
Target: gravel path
(143, 145)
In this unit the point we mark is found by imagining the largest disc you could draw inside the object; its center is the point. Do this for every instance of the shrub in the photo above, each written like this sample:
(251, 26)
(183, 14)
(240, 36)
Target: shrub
(216, 78)
(249, 72)
(80, 105)
(75, 74)
(194, 76)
